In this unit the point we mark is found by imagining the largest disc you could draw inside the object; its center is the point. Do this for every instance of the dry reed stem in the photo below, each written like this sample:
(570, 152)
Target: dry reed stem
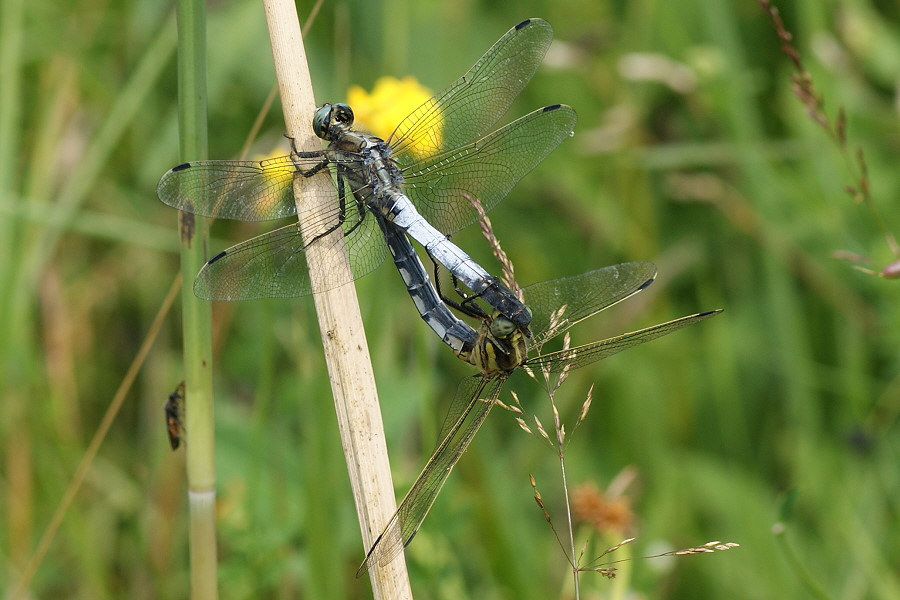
(340, 323)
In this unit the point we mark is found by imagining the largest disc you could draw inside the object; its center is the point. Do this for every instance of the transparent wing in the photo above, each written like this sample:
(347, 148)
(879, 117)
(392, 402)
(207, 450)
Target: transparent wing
(274, 265)
(558, 304)
(443, 186)
(468, 108)
(573, 358)
(243, 190)
(471, 405)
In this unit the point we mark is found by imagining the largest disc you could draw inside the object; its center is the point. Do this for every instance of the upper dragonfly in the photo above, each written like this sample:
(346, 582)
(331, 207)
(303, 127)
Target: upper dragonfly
(422, 180)
(498, 348)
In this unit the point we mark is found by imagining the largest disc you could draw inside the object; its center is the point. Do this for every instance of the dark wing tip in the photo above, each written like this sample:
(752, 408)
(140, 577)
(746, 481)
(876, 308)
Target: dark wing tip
(566, 116)
(523, 24)
(217, 257)
(647, 283)
(709, 313)
(362, 569)
(181, 167)
(365, 563)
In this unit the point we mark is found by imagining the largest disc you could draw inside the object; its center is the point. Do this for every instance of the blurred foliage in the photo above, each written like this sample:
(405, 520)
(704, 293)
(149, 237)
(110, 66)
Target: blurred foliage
(691, 151)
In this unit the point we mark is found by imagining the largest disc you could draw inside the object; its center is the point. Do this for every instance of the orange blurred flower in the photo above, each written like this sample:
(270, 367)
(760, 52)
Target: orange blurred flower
(607, 515)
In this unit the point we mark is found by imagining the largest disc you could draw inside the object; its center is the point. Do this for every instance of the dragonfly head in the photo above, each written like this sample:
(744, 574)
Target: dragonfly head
(500, 346)
(331, 120)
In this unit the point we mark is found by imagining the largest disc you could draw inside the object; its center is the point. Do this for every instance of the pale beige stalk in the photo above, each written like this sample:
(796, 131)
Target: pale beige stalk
(340, 323)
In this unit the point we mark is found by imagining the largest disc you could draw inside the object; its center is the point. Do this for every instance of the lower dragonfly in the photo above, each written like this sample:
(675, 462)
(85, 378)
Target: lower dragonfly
(419, 180)
(497, 349)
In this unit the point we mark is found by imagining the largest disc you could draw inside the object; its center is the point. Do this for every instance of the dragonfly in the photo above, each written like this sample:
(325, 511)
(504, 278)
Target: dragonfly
(421, 180)
(432, 307)
(174, 411)
(497, 349)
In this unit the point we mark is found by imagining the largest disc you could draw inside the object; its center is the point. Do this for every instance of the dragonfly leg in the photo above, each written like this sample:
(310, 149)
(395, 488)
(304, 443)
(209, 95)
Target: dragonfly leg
(313, 170)
(360, 211)
(467, 306)
(360, 206)
(306, 154)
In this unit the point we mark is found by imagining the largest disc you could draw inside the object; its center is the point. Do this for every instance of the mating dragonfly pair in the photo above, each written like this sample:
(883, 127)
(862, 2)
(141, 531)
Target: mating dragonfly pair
(420, 183)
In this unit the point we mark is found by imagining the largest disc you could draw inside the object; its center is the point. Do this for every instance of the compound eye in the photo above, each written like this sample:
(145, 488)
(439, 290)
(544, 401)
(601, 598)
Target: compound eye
(322, 121)
(343, 115)
(502, 328)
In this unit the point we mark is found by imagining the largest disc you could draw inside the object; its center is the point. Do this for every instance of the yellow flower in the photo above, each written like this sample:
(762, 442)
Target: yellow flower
(391, 100)
(275, 166)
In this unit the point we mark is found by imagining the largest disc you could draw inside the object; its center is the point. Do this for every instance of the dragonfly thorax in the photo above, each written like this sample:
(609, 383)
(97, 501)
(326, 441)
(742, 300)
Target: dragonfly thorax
(331, 120)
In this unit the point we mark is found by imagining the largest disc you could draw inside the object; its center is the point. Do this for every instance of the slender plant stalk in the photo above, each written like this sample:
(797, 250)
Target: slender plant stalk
(340, 322)
(196, 313)
(572, 551)
(13, 334)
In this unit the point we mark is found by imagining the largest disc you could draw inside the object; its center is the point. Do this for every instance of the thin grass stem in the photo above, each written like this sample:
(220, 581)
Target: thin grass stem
(196, 313)
(14, 340)
(565, 486)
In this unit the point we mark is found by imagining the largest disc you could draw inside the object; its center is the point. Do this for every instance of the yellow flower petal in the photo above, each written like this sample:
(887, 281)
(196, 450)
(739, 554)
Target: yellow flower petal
(392, 99)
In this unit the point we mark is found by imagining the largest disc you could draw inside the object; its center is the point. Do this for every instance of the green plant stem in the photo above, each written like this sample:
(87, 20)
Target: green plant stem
(13, 334)
(340, 322)
(565, 485)
(196, 313)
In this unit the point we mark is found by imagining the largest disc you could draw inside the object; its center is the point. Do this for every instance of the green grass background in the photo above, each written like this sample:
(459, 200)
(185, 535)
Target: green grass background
(782, 410)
